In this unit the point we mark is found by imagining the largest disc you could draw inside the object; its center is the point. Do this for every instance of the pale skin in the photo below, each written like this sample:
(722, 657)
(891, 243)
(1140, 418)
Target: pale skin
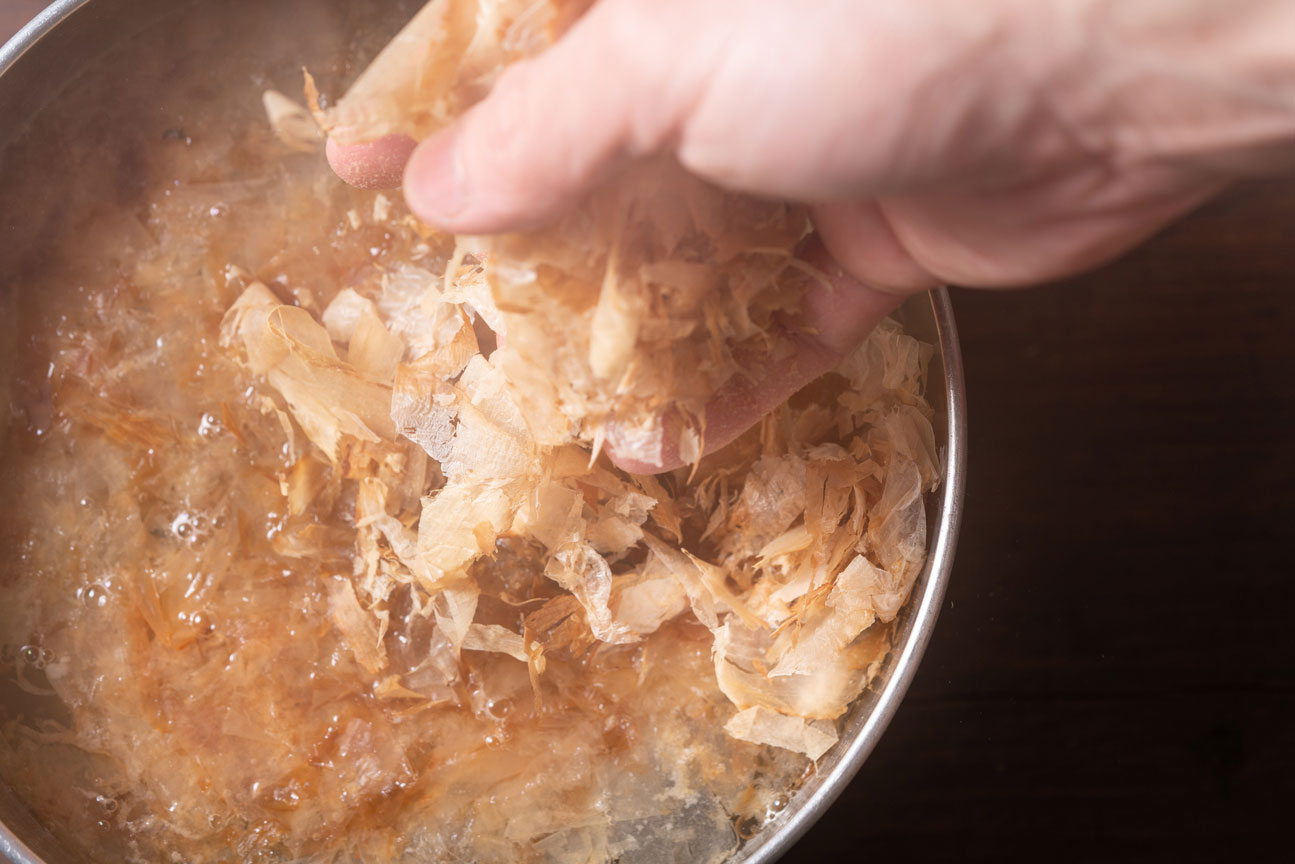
(988, 144)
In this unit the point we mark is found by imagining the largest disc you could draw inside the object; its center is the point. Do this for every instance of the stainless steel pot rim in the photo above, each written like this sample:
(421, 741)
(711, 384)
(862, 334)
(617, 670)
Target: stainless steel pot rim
(29, 35)
(923, 608)
(10, 53)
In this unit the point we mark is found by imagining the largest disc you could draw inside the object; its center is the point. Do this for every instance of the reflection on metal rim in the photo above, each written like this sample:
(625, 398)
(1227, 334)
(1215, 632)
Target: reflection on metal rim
(883, 698)
(11, 53)
(28, 36)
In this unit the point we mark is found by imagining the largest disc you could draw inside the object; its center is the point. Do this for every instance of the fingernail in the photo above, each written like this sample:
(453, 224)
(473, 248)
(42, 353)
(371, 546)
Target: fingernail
(372, 165)
(436, 185)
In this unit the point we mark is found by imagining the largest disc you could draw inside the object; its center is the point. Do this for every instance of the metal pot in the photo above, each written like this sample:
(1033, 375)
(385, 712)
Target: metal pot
(55, 47)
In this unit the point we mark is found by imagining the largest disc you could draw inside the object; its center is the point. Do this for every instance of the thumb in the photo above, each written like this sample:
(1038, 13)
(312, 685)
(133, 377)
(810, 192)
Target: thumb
(552, 127)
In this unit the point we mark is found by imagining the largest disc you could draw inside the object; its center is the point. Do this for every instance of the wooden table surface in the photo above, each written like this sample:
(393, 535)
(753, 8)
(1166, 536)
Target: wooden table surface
(1113, 675)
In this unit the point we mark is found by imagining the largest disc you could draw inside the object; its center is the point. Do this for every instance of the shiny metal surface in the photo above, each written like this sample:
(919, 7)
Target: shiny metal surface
(30, 73)
(929, 317)
(34, 66)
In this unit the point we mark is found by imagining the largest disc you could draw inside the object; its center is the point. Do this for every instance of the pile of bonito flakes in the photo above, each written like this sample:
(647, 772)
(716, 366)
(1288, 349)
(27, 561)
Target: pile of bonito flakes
(628, 309)
(541, 657)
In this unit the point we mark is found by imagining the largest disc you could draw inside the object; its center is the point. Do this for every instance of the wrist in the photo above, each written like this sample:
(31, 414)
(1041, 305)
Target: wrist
(1204, 85)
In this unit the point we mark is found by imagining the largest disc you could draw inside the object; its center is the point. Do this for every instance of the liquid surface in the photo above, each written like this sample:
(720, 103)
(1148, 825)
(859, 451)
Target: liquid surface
(175, 683)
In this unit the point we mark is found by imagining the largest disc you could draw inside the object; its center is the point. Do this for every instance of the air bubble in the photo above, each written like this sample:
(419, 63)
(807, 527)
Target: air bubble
(210, 426)
(35, 656)
(747, 827)
(286, 796)
(188, 526)
(776, 805)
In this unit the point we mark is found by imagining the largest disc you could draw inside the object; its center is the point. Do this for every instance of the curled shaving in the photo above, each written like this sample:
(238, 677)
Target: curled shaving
(794, 547)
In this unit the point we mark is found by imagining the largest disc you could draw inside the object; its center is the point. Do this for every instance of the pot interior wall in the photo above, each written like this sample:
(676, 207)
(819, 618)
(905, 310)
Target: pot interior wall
(107, 38)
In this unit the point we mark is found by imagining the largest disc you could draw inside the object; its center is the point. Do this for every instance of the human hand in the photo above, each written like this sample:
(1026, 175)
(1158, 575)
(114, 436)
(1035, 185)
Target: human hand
(991, 144)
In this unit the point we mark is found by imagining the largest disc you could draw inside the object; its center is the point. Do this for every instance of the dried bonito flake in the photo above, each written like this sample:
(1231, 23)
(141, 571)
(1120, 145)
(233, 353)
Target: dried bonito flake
(328, 397)
(358, 627)
(761, 726)
(794, 555)
(443, 61)
(292, 122)
(634, 304)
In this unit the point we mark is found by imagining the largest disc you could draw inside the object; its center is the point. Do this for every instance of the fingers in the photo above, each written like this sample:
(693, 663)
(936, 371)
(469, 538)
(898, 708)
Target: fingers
(836, 315)
(609, 91)
(858, 236)
(372, 165)
(1026, 234)
(770, 377)
(551, 128)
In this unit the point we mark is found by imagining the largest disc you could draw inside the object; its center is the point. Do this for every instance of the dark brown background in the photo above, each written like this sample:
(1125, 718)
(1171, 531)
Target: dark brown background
(1113, 674)
(1113, 677)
